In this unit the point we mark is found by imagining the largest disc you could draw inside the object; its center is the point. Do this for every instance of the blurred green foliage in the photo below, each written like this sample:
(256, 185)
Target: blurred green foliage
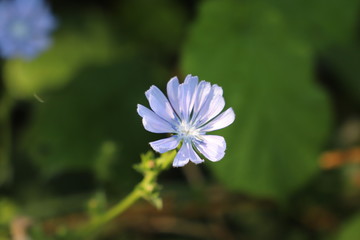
(350, 229)
(282, 115)
(344, 62)
(75, 47)
(8, 211)
(290, 70)
(99, 112)
(158, 24)
(322, 23)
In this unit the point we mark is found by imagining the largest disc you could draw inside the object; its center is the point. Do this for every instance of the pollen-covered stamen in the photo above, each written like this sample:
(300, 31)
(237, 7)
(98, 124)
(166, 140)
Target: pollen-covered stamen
(187, 131)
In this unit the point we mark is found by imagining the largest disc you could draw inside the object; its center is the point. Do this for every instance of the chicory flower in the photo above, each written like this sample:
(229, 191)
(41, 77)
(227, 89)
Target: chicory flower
(25, 28)
(191, 110)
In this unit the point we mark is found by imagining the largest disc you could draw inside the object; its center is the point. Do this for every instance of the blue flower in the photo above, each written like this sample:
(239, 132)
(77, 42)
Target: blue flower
(191, 110)
(25, 26)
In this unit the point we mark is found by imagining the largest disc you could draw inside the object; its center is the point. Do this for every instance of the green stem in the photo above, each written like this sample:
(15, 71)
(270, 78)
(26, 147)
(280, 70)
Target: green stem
(121, 206)
(91, 229)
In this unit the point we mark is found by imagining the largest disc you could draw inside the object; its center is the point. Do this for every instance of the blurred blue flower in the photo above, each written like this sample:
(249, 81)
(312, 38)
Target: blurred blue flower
(192, 110)
(25, 26)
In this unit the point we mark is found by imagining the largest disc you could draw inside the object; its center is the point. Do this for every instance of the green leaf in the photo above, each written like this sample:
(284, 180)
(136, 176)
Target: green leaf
(282, 116)
(350, 230)
(98, 107)
(322, 22)
(158, 24)
(74, 47)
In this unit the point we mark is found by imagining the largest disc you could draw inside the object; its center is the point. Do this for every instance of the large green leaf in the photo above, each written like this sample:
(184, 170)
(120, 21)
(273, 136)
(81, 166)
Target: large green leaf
(158, 24)
(267, 75)
(75, 46)
(322, 22)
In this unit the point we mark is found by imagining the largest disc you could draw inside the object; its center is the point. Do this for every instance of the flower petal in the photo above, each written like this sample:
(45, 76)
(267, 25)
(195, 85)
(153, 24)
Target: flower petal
(185, 154)
(182, 157)
(172, 92)
(212, 147)
(192, 81)
(212, 106)
(202, 92)
(25, 7)
(223, 120)
(186, 96)
(194, 157)
(160, 104)
(165, 145)
(152, 122)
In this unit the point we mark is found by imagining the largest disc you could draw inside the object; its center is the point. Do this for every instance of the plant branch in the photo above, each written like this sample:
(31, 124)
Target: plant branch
(147, 189)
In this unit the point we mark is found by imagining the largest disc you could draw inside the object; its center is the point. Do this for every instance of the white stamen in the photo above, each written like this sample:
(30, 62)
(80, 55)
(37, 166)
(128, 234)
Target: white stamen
(187, 132)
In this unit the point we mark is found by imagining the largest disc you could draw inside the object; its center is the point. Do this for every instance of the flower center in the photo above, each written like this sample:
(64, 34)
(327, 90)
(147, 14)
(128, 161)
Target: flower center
(19, 29)
(186, 131)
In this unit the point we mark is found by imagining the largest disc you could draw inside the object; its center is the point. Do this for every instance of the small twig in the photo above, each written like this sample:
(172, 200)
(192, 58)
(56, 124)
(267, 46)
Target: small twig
(38, 98)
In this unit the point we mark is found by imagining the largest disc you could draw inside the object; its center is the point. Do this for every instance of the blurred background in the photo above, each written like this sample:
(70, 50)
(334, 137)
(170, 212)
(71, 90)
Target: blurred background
(70, 134)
